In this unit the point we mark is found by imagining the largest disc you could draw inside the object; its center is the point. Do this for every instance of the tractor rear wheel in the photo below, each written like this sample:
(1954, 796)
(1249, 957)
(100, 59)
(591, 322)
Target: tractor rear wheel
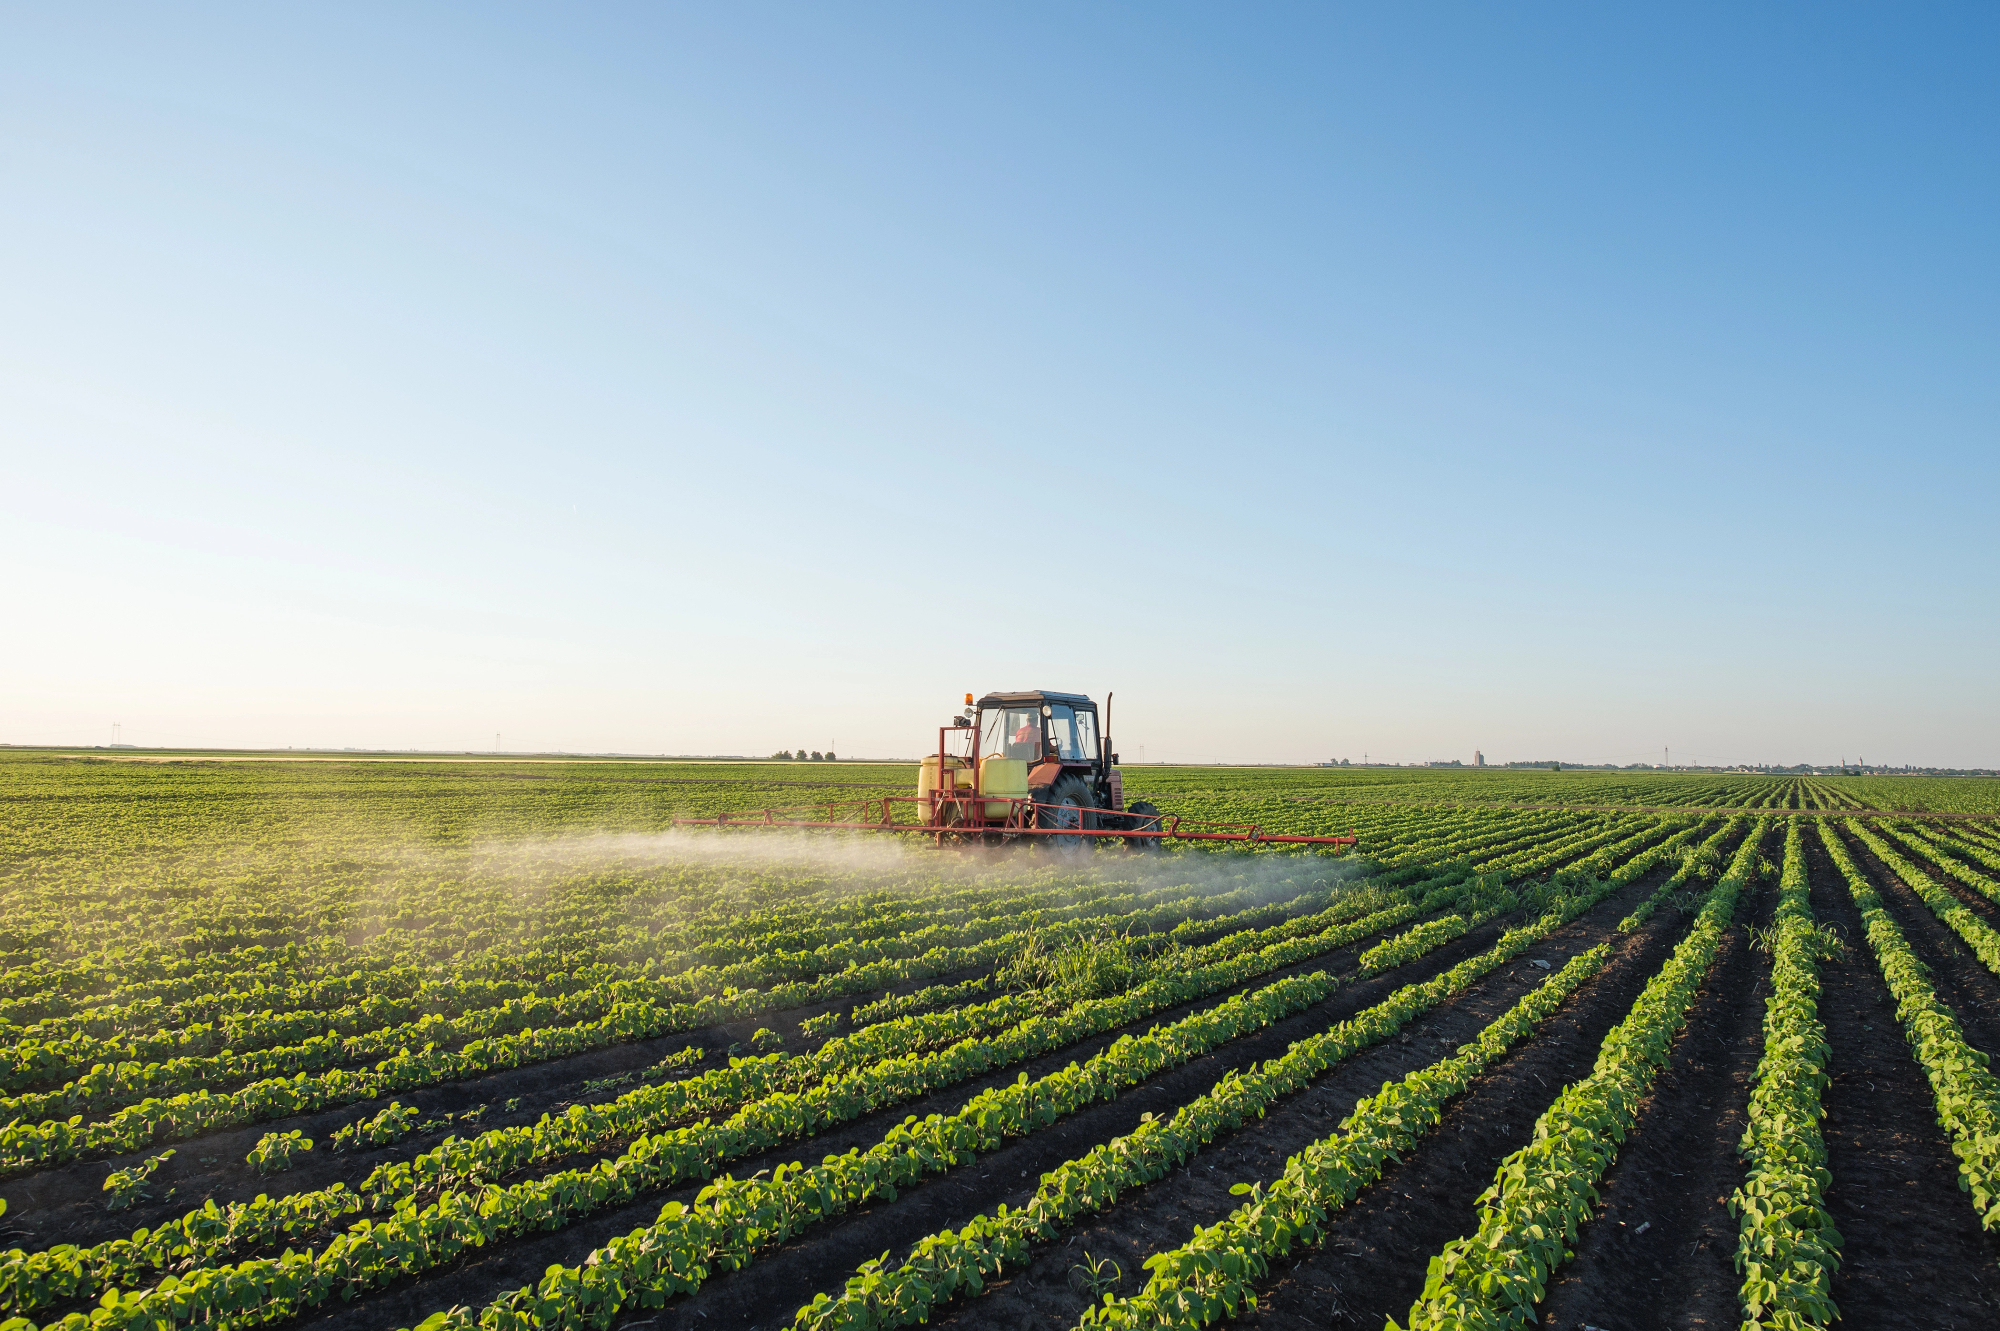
(1141, 816)
(1072, 808)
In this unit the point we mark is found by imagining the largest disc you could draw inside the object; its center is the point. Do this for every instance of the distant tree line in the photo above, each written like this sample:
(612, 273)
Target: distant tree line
(802, 756)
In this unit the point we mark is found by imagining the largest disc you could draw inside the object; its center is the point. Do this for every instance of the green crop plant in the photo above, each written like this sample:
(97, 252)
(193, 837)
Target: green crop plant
(383, 1128)
(826, 1023)
(276, 1152)
(1788, 1248)
(128, 1187)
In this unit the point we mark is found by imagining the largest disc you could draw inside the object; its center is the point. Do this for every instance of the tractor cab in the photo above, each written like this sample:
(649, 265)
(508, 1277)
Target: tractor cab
(1034, 764)
(1057, 743)
(1039, 728)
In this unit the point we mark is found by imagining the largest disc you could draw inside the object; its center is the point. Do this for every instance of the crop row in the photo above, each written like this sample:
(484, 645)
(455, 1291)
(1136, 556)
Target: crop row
(343, 992)
(24, 1145)
(411, 1240)
(660, 927)
(575, 1296)
(1943, 852)
(1787, 1246)
(649, 1266)
(1216, 1272)
(445, 1225)
(349, 990)
(1696, 862)
(110, 1084)
(270, 1042)
(1966, 845)
(633, 1017)
(191, 1112)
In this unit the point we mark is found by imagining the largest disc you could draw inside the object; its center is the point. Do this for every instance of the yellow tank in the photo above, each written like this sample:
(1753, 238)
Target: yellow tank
(1005, 777)
(927, 774)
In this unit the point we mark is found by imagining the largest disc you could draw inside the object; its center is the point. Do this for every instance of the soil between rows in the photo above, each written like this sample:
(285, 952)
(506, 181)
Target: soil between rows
(1149, 1218)
(1913, 1248)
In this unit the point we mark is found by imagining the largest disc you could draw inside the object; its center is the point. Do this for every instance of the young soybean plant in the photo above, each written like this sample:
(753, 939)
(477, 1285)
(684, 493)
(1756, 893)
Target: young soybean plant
(276, 1152)
(128, 1187)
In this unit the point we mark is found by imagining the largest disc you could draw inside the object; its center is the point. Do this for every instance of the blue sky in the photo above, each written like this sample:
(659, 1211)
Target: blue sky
(1556, 381)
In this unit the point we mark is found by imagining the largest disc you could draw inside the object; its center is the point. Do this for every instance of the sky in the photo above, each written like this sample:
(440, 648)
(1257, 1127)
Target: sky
(1551, 381)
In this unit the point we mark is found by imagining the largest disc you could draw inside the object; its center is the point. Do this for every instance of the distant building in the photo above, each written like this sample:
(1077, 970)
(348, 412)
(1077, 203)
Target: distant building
(1478, 758)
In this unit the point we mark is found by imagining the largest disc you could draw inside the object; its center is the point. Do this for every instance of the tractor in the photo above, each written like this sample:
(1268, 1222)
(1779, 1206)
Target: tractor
(1035, 765)
(1036, 761)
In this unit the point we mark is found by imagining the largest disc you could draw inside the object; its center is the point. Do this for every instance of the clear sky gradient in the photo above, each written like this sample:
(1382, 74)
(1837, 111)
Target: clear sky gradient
(1552, 380)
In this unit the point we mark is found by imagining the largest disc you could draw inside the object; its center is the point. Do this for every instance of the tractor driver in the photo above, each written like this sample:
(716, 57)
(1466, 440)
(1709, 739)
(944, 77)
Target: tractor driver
(1026, 739)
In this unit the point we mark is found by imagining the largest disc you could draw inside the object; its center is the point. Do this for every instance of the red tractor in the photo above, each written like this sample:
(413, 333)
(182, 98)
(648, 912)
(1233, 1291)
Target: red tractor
(1035, 761)
(1033, 765)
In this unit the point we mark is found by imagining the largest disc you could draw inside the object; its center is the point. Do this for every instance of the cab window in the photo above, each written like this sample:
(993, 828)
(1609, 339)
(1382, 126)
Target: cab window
(1073, 733)
(1011, 732)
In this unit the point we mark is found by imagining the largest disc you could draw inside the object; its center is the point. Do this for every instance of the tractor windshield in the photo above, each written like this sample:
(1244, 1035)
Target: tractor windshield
(1073, 733)
(1011, 732)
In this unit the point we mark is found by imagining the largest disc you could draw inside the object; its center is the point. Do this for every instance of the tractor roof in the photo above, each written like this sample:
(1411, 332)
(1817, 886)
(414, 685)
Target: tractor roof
(1037, 697)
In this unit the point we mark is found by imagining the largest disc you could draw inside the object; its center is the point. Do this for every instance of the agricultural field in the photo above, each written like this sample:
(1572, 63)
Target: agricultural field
(434, 1044)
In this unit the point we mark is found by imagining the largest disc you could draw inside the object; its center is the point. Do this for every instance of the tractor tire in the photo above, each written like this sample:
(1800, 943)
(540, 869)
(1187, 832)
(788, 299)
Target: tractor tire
(1073, 808)
(1141, 816)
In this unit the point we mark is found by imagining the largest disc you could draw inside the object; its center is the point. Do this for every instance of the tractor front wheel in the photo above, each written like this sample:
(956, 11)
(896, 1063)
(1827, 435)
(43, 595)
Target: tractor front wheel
(1068, 807)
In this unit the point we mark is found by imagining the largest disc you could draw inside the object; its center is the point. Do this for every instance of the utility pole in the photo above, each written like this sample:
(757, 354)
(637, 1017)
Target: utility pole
(496, 741)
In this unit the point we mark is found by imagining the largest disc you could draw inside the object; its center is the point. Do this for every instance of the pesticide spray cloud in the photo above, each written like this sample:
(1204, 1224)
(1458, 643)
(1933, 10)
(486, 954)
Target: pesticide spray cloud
(838, 864)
